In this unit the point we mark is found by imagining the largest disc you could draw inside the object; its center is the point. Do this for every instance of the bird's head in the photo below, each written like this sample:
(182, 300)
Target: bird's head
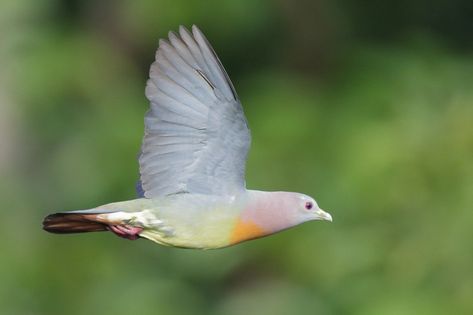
(307, 208)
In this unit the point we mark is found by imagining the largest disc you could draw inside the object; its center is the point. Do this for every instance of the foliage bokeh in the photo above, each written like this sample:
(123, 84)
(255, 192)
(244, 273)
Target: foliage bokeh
(368, 107)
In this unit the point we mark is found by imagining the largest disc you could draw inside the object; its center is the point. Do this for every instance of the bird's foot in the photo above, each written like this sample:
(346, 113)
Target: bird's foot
(126, 231)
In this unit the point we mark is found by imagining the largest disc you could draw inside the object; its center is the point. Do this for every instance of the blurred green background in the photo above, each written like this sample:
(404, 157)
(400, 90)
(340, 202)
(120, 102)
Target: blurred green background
(366, 105)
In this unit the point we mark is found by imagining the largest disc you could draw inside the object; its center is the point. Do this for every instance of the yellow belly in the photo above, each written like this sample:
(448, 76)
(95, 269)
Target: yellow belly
(206, 234)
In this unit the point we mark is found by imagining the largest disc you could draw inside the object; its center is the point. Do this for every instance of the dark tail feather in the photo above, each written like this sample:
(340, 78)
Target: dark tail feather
(63, 223)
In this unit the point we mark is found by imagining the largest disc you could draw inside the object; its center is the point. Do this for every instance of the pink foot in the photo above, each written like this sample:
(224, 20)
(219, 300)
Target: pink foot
(126, 231)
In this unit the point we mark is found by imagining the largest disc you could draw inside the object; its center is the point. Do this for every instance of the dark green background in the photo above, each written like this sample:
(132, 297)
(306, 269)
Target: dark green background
(365, 105)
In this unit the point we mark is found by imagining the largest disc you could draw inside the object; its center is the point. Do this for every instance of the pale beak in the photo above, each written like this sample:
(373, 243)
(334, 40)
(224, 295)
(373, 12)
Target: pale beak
(322, 215)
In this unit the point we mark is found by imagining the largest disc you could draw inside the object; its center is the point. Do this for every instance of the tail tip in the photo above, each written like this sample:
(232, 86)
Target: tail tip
(64, 223)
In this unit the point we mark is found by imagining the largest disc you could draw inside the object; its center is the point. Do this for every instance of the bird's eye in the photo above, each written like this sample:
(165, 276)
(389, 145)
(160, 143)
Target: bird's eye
(309, 205)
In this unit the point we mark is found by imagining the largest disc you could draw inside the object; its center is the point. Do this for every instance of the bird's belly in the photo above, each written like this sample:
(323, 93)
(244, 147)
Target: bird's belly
(207, 230)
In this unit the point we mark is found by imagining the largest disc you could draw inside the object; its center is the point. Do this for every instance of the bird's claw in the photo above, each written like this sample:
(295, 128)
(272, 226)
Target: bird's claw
(126, 231)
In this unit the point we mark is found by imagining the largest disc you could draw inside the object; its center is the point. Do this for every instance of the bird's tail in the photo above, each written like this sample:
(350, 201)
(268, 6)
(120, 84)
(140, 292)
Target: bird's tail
(75, 222)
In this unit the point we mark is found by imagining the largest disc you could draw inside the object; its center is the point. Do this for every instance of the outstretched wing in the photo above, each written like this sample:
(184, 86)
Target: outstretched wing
(196, 135)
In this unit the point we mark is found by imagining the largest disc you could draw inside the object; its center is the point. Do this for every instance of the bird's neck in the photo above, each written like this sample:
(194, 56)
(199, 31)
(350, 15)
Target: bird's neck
(263, 214)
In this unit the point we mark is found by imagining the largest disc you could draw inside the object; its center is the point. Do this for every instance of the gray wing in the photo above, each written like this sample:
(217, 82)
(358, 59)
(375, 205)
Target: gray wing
(196, 135)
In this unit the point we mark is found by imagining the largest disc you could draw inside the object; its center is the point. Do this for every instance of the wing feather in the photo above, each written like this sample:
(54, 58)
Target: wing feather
(196, 136)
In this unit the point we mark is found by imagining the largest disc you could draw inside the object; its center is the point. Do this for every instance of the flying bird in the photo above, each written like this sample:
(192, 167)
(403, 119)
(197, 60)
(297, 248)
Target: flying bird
(192, 163)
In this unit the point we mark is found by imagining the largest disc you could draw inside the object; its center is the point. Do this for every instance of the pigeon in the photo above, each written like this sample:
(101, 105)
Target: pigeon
(192, 191)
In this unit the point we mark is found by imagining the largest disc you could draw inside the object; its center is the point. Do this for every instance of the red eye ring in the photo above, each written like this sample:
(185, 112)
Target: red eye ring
(309, 205)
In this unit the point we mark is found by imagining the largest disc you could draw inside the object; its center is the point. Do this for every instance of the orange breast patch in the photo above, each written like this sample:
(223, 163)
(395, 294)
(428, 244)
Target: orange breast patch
(245, 230)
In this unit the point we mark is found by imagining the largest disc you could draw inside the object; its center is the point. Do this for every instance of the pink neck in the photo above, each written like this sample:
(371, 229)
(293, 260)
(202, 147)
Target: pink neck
(267, 210)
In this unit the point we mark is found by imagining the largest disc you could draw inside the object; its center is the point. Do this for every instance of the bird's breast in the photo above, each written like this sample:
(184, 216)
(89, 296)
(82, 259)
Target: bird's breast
(246, 230)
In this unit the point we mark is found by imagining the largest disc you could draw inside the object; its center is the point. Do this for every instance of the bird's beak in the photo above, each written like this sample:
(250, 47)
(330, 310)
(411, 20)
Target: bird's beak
(322, 215)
